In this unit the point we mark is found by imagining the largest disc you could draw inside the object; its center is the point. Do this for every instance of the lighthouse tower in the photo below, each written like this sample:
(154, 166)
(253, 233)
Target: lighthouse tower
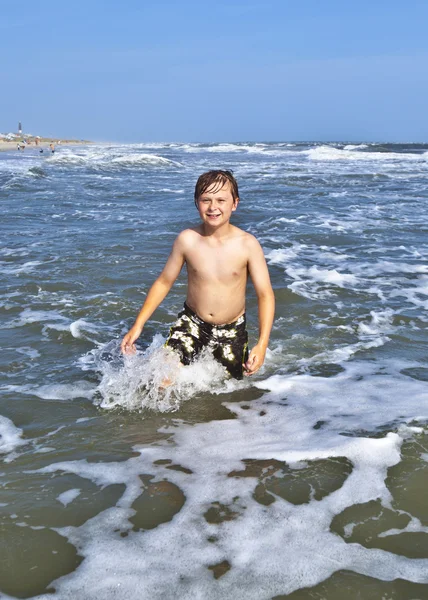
(20, 128)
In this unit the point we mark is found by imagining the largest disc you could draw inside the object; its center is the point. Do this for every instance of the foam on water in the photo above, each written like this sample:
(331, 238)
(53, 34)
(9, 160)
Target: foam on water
(271, 548)
(56, 391)
(68, 496)
(323, 275)
(274, 150)
(83, 329)
(385, 266)
(216, 148)
(138, 159)
(314, 282)
(23, 251)
(28, 316)
(381, 322)
(10, 436)
(25, 268)
(330, 153)
(154, 379)
(281, 255)
(100, 157)
(355, 147)
(30, 352)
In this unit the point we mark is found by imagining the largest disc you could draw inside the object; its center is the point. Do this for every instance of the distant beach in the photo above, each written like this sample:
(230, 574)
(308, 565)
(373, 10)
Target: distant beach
(42, 142)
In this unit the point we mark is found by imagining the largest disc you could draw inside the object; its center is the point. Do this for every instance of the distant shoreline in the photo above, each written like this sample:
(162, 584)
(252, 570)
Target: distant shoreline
(6, 145)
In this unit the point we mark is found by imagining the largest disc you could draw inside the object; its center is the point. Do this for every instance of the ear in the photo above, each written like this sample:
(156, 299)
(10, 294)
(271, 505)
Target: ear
(235, 204)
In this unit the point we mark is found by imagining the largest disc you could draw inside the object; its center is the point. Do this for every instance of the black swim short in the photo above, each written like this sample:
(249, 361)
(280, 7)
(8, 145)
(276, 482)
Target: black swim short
(228, 343)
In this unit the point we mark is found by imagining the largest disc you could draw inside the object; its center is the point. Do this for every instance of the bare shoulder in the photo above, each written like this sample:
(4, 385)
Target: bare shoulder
(249, 241)
(187, 238)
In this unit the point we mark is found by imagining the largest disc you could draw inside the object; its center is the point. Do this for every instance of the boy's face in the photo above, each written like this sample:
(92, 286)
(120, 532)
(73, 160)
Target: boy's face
(216, 205)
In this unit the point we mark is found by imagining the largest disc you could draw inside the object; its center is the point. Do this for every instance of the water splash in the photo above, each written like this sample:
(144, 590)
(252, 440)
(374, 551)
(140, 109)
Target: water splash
(153, 379)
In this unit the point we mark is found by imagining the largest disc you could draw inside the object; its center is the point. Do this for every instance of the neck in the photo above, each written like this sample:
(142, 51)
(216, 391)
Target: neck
(216, 232)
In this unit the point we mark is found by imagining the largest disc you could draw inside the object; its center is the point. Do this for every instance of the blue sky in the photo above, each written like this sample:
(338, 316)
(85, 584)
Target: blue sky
(215, 71)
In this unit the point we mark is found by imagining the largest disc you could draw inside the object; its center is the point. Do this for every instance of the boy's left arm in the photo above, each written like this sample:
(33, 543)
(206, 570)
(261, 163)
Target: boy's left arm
(259, 274)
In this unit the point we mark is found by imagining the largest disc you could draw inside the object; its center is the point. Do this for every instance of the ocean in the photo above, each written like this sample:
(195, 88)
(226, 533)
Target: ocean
(308, 480)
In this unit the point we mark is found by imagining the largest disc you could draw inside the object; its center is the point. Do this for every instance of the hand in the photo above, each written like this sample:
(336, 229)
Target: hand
(127, 346)
(255, 360)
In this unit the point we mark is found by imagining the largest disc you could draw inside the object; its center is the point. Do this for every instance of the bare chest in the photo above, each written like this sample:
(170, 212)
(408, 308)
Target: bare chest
(219, 264)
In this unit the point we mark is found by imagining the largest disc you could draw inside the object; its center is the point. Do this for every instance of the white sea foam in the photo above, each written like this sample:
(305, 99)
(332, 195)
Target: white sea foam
(10, 436)
(68, 496)
(413, 526)
(282, 256)
(320, 284)
(319, 281)
(29, 315)
(154, 379)
(355, 147)
(331, 254)
(341, 354)
(65, 391)
(27, 267)
(331, 153)
(334, 224)
(381, 322)
(329, 276)
(81, 329)
(49, 320)
(22, 251)
(285, 220)
(265, 560)
(262, 149)
(143, 159)
(55, 431)
(415, 295)
(386, 266)
(56, 391)
(216, 148)
(100, 157)
(30, 352)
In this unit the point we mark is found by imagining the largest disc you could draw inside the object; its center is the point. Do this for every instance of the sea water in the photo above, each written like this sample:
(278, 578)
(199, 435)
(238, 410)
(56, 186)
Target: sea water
(308, 480)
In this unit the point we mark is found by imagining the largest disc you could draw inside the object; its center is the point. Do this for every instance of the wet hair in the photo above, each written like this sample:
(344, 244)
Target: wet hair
(216, 179)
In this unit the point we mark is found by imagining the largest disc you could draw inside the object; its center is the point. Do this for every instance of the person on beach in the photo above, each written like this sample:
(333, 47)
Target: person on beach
(218, 257)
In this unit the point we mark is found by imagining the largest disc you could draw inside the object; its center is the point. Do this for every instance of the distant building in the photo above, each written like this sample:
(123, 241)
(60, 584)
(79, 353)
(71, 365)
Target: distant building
(19, 127)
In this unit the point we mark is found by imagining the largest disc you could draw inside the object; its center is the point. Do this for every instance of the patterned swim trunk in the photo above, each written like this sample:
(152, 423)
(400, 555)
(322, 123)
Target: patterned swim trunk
(228, 343)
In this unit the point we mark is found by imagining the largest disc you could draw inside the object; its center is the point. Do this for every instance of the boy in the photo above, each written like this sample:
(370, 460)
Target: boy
(218, 257)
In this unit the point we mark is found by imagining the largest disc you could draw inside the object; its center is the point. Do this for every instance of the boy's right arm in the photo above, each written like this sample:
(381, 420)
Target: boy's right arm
(156, 294)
